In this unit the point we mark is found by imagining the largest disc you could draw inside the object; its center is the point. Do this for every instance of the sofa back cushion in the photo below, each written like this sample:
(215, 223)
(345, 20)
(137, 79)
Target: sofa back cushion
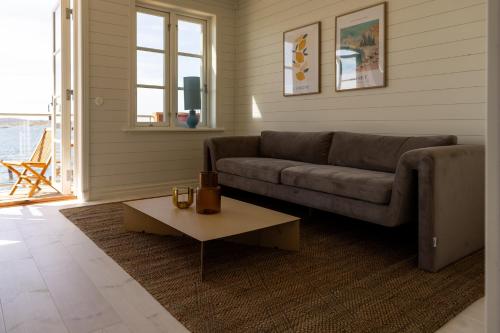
(378, 152)
(309, 147)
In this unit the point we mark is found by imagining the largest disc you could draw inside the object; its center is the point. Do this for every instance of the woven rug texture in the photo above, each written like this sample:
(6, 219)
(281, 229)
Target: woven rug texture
(348, 276)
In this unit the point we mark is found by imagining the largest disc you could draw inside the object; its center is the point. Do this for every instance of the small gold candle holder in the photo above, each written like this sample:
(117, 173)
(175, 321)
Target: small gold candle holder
(177, 192)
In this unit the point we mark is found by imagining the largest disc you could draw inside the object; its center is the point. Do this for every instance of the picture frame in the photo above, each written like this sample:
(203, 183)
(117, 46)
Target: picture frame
(302, 60)
(361, 48)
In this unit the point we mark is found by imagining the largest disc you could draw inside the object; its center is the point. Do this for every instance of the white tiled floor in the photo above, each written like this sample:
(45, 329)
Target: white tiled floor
(469, 321)
(54, 279)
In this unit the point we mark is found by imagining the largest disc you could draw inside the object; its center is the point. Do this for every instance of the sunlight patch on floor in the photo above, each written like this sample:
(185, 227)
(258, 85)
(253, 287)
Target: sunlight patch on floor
(5, 242)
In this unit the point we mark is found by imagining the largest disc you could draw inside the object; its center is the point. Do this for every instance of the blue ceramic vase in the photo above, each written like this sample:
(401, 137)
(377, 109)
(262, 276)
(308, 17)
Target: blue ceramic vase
(192, 120)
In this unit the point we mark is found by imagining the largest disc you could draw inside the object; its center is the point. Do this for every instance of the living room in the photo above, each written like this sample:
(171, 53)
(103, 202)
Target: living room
(330, 166)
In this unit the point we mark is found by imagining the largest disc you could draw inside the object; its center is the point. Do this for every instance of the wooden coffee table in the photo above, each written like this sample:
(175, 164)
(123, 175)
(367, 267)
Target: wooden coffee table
(238, 221)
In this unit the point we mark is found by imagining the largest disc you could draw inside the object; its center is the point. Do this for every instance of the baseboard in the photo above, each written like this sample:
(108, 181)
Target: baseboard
(132, 192)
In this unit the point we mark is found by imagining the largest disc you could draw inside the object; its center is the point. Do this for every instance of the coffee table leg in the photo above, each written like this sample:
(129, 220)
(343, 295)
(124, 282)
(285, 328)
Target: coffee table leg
(202, 254)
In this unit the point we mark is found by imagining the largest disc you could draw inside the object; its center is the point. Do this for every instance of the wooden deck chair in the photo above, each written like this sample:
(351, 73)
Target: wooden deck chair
(32, 173)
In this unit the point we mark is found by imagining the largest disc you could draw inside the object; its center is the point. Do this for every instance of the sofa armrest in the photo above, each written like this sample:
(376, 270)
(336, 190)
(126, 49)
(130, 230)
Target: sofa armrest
(229, 146)
(451, 184)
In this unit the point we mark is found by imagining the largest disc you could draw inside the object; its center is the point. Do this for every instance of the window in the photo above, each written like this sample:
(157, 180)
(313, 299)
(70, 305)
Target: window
(152, 97)
(191, 63)
(171, 51)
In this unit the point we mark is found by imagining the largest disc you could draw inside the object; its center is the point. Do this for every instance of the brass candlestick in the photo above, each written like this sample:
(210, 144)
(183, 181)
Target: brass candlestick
(176, 192)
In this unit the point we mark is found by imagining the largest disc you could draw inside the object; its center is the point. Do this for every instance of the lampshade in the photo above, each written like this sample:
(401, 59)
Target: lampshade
(192, 95)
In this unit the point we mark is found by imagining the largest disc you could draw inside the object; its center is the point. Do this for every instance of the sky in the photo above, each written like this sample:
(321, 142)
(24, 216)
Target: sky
(25, 55)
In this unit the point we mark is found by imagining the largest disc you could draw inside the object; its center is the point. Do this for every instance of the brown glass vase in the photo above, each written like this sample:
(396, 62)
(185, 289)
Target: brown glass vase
(208, 193)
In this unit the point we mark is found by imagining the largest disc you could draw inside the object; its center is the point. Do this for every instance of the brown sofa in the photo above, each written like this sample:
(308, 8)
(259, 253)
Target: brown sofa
(386, 180)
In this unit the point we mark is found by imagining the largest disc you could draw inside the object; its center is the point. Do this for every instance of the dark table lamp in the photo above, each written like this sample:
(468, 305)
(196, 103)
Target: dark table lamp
(192, 99)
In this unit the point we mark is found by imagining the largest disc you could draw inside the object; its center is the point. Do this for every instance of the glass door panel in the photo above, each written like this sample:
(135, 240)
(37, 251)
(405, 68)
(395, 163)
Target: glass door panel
(61, 97)
(57, 146)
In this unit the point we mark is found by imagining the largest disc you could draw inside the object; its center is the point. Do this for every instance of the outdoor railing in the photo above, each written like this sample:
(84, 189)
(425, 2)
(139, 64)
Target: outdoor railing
(181, 116)
(19, 134)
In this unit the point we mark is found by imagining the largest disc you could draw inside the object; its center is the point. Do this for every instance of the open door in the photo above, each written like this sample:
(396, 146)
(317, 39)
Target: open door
(61, 104)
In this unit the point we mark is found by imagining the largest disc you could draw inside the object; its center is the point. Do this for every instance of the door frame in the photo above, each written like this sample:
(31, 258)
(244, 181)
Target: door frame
(493, 170)
(81, 95)
(65, 101)
(81, 88)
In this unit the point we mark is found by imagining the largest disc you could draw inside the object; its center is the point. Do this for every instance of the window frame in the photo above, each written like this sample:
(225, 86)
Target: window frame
(166, 67)
(204, 114)
(171, 53)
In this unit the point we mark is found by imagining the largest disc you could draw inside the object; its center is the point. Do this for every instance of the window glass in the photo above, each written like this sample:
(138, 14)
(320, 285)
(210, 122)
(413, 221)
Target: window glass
(188, 66)
(288, 81)
(57, 74)
(150, 105)
(150, 68)
(57, 28)
(181, 113)
(190, 37)
(150, 31)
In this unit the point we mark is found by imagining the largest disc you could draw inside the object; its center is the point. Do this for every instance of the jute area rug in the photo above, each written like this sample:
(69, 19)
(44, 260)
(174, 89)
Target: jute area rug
(348, 276)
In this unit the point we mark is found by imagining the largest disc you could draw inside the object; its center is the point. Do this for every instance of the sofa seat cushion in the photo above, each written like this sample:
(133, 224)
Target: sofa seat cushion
(261, 168)
(366, 185)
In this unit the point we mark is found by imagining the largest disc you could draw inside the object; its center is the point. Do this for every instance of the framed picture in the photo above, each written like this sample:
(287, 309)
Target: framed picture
(360, 49)
(301, 60)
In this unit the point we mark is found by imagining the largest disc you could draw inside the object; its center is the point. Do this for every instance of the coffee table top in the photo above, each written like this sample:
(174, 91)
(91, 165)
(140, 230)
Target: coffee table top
(236, 217)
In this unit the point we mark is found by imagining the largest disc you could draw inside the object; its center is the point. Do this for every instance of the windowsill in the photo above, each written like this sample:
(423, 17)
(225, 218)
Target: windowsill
(172, 129)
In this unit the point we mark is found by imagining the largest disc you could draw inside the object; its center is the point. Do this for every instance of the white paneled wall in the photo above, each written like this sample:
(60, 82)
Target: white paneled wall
(123, 162)
(436, 70)
(436, 82)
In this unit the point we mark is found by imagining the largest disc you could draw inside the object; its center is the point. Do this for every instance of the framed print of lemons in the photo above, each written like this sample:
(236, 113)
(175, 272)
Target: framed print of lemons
(301, 60)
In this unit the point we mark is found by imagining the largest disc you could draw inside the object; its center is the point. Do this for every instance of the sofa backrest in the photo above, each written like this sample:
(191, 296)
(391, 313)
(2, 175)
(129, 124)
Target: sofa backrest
(378, 152)
(309, 147)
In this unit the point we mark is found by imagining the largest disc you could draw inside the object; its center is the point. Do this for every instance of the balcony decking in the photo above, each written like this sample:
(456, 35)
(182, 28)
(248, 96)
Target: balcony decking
(19, 135)
(21, 196)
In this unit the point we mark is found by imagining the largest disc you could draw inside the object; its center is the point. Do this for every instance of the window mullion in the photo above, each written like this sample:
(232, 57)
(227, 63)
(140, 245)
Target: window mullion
(166, 72)
(174, 70)
(204, 73)
(192, 55)
(148, 49)
(150, 86)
